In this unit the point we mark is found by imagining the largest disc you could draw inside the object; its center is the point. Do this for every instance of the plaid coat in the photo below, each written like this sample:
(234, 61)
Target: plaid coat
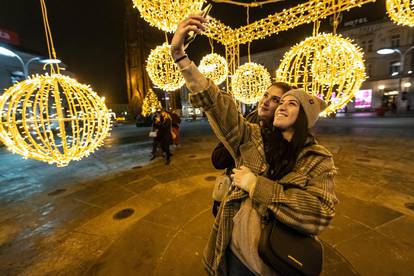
(303, 199)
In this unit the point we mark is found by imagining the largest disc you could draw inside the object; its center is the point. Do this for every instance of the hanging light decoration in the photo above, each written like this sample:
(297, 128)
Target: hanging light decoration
(401, 11)
(150, 104)
(326, 65)
(249, 82)
(53, 119)
(166, 14)
(162, 70)
(214, 67)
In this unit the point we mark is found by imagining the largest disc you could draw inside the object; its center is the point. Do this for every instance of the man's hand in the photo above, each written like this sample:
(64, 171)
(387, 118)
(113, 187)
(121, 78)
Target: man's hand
(194, 22)
(244, 178)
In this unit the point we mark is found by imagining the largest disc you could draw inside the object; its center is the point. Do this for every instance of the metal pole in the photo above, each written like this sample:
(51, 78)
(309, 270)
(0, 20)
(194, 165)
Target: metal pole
(26, 66)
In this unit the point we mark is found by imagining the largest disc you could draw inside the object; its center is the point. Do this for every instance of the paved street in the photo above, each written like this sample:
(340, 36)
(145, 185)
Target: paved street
(117, 213)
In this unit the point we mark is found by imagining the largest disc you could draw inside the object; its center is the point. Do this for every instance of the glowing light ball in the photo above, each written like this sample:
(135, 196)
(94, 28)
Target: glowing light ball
(326, 65)
(214, 67)
(401, 11)
(162, 70)
(249, 82)
(53, 119)
(166, 14)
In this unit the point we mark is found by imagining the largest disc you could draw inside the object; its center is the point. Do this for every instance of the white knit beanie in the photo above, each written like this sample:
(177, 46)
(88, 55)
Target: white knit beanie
(312, 105)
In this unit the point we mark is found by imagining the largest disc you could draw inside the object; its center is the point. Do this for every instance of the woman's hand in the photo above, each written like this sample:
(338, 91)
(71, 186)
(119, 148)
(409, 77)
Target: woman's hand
(194, 22)
(244, 178)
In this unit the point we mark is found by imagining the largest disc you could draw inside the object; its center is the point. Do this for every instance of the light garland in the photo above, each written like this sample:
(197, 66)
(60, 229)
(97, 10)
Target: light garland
(214, 67)
(166, 14)
(150, 104)
(326, 65)
(53, 119)
(401, 12)
(249, 82)
(162, 70)
(305, 13)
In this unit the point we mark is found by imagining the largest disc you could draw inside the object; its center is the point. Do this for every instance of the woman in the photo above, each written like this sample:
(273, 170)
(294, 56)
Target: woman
(263, 115)
(162, 125)
(283, 172)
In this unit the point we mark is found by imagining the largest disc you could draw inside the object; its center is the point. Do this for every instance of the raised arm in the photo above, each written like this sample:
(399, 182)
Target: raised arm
(226, 121)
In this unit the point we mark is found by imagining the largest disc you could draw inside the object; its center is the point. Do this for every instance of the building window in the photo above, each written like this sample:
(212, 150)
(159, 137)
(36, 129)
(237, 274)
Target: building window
(369, 69)
(395, 41)
(394, 68)
(370, 46)
(363, 45)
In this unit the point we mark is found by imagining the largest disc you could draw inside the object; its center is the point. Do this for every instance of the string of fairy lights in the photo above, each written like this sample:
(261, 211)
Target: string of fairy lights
(150, 103)
(53, 118)
(327, 65)
(401, 11)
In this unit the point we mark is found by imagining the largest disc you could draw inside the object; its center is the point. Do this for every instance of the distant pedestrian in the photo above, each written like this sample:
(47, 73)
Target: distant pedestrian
(175, 122)
(162, 125)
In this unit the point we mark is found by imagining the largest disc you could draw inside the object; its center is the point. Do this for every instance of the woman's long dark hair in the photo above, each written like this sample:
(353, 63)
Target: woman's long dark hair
(281, 155)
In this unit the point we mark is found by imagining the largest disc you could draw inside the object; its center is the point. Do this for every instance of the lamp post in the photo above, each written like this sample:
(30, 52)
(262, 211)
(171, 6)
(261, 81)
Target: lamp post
(25, 65)
(389, 51)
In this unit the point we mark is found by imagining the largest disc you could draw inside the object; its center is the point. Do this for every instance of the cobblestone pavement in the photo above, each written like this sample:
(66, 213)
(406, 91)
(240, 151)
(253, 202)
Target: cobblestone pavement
(117, 213)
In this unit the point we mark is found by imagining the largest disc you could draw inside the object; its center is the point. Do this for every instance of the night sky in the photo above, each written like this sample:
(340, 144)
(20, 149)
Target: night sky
(88, 35)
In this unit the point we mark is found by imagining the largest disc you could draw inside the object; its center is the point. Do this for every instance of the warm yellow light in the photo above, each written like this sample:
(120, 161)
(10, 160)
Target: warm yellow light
(166, 14)
(401, 12)
(214, 67)
(249, 82)
(300, 14)
(326, 65)
(53, 119)
(381, 87)
(150, 104)
(162, 70)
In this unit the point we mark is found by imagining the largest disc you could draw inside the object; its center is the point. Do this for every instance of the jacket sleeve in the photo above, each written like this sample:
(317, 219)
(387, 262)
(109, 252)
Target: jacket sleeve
(226, 121)
(303, 202)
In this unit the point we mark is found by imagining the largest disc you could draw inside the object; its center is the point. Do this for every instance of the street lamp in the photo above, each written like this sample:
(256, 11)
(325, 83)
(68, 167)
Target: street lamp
(9, 53)
(389, 51)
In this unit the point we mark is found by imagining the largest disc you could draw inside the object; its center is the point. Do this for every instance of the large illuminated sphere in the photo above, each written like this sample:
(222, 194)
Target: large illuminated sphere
(53, 119)
(166, 14)
(214, 67)
(401, 11)
(249, 82)
(162, 69)
(326, 65)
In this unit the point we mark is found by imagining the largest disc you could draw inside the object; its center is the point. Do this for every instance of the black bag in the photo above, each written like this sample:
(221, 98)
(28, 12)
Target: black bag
(288, 251)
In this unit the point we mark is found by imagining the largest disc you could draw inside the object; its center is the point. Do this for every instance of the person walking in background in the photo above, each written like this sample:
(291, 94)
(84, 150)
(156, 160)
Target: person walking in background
(162, 125)
(175, 122)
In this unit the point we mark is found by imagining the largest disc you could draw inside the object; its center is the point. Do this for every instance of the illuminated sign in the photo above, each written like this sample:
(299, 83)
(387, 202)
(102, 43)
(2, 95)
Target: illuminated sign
(9, 37)
(363, 98)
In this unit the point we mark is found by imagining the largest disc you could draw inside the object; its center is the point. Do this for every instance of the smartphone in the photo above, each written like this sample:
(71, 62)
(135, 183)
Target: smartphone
(191, 35)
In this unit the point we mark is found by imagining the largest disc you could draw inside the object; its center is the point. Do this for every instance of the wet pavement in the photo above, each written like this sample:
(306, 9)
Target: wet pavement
(117, 213)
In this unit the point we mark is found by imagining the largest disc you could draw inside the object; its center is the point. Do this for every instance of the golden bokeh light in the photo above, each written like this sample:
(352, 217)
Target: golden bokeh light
(53, 119)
